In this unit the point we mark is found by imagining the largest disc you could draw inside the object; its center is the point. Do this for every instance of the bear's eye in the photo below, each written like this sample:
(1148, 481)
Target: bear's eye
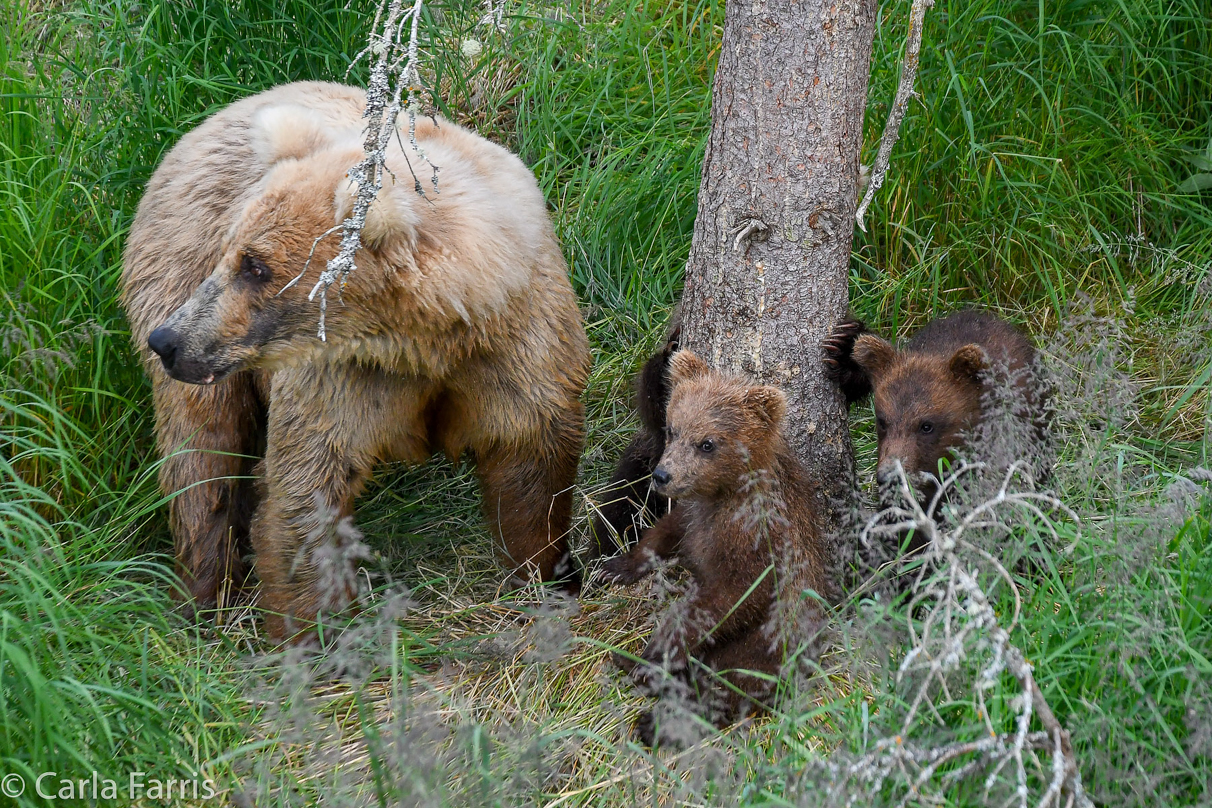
(927, 427)
(881, 424)
(707, 446)
(668, 434)
(254, 268)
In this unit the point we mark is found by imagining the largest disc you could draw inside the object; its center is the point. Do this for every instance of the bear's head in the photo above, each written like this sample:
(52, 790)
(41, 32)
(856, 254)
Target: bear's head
(718, 431)
(924, 402)
(256, 309)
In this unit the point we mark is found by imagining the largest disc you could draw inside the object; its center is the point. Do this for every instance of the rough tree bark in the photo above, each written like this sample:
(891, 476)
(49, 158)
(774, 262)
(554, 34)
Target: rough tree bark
(768, 272)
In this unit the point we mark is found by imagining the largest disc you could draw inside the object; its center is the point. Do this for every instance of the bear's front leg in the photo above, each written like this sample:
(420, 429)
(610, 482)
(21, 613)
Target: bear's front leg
(840, 366)
(659, 541)
(327, 427)
(206, 436)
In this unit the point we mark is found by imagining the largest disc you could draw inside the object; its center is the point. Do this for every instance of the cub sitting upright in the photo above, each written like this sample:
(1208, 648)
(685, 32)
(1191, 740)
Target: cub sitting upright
(930, 395)
(459, 331)
(746, 529)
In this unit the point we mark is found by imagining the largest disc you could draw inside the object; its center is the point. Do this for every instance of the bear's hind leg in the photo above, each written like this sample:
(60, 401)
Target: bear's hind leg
(527, 495)
(207, 437)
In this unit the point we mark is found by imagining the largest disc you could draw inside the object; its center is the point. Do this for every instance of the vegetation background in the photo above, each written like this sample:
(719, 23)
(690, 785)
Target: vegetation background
(1057, 168)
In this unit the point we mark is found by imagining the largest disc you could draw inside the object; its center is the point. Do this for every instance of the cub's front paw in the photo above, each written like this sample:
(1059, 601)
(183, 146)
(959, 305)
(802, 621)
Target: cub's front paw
(623, 569)
(645, 729)
(624, 663)
(838, 345)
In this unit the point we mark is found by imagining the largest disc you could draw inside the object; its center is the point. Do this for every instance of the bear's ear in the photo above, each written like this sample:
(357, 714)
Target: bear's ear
(686, 365)
(391, 219)
(873, 355)
(768, 402)
(969, 362)
(288, 132)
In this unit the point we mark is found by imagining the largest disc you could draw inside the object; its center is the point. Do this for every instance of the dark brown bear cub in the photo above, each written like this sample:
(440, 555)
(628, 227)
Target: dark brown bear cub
(745, 527)
(932, 395)
(628, 495)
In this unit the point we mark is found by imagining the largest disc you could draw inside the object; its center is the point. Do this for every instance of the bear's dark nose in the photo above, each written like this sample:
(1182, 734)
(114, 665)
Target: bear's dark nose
(661, 477)
(164, 342)
(886, 475)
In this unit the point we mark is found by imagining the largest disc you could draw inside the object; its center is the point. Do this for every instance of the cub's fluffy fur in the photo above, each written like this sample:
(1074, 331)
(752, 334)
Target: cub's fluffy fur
(745, 526)
(628, 496)
(459, 331)
(932, 395)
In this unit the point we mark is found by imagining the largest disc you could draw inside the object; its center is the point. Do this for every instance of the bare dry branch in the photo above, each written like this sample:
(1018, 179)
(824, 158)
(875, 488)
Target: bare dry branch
(904, 91)
(951, 620)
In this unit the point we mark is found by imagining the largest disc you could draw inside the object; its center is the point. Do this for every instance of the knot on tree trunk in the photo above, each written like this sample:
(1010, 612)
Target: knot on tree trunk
(748, 229)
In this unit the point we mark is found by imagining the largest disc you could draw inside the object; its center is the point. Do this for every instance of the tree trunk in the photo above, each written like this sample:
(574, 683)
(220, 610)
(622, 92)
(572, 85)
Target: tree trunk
(768, 272)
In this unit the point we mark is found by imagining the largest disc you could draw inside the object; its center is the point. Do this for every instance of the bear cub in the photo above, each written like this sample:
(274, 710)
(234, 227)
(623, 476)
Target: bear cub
(628, 495)
(932, 395)
(745, 527)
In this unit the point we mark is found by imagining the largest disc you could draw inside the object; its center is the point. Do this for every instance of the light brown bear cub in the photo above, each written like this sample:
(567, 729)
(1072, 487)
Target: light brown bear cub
(745, 527)
(459, 331)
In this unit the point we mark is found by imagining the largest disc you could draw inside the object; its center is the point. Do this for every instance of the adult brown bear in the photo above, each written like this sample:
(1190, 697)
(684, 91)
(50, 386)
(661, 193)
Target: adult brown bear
(459, 331)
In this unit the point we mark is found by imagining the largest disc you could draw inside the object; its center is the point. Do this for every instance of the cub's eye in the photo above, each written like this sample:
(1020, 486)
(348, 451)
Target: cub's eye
(926, 427)
(707, 446)
(668, 431)
(254, 268)
(881, 424)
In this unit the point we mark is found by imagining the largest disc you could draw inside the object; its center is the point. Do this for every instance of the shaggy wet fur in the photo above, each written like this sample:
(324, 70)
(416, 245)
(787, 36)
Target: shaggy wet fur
(459, 331)
(746, 521)
(629, 500)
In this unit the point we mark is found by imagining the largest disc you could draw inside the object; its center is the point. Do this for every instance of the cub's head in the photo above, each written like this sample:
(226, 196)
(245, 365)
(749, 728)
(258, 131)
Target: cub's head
(719, 429)
(924, 402)
(248, 313)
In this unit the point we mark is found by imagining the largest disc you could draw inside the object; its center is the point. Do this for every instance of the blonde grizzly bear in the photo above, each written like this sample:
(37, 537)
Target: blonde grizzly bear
(458, 331)
(745, 526)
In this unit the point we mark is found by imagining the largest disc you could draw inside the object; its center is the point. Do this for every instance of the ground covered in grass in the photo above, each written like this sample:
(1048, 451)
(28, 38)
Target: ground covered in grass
(1057, 168)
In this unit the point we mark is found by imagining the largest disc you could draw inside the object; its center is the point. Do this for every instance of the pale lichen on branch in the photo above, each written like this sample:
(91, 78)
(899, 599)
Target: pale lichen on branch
(394, 85)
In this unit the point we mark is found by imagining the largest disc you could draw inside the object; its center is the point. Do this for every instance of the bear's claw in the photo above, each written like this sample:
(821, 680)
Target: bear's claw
(840, 368)
(618, 570)
(840, 343)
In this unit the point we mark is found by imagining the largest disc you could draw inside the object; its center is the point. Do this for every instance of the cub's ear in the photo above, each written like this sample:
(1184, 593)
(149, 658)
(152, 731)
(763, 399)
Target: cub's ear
(391, 220)
(686, 365)
(873, 355)
(768, 402)
(969, 362)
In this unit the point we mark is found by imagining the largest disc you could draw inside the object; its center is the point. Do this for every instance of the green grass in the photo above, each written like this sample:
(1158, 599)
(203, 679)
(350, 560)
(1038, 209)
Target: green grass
(1044, 161)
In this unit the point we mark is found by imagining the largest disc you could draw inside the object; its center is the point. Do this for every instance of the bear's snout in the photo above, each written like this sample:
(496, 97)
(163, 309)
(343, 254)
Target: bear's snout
(885, 475)
(178, 359)
(661, 478)
(163, 341)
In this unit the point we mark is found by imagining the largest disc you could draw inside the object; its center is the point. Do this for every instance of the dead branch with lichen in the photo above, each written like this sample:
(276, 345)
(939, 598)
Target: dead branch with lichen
(394, 86)
(951, 620)
(904, 91)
